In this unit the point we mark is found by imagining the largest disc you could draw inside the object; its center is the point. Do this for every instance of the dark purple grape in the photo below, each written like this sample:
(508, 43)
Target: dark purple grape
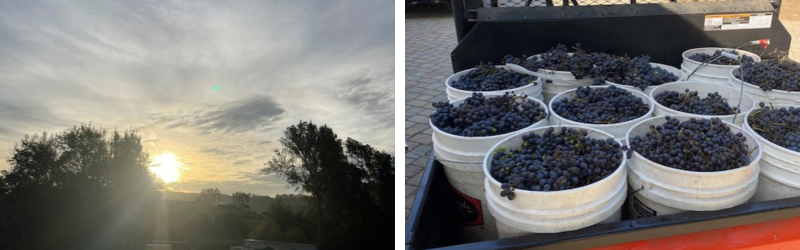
(487, 116)
(778, 74)
(702, 58)
(603, 67)
(778, 125)
(558, 159)
(700, 145)
(690, 102)
(486, 77)
(635, 71)
(558, 58)
(601, 106)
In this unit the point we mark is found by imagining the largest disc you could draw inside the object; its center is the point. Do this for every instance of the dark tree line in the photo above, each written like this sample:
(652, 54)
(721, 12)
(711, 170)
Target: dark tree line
(84, 188)
(351, 185)
(241, 199)
(210, 197)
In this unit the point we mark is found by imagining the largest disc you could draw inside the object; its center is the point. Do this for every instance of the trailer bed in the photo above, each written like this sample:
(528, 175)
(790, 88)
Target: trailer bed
(761, 225)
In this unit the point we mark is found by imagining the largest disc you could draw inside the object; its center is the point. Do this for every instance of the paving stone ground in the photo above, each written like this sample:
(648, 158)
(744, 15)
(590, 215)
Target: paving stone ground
(430, 37)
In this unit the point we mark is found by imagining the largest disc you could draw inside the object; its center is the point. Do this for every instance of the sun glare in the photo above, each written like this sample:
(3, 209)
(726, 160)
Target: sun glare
(166, 166)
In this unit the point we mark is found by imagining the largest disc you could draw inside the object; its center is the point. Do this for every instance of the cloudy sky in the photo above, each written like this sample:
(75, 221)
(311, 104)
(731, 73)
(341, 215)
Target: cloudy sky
(215, 82)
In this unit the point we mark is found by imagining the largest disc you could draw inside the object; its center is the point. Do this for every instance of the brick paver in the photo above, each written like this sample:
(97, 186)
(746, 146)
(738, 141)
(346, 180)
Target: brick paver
(430, 36)
(793, 26)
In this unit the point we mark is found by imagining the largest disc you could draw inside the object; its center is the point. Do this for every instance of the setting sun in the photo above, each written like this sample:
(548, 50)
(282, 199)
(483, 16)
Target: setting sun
(166, 166)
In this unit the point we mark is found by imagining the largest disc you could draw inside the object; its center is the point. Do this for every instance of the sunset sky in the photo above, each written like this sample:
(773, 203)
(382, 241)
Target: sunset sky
(213, 83)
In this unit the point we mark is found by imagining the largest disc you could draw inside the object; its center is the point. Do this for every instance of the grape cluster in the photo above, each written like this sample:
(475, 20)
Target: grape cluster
(702, 57)
(612, 68)
(778, 125)
(486, 77)
(701, 145)
(482, 116)
(690, 102)
(601, 106)
(635, 71)
(602, 67)
(780, 74)
(558, 159)
(580, 63)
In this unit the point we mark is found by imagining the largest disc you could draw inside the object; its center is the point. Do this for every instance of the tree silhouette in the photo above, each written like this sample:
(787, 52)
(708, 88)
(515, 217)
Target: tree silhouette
(282, 215)
(378, 182)
(345, 186)
(241, 199)
(210, 196)
(80, 189)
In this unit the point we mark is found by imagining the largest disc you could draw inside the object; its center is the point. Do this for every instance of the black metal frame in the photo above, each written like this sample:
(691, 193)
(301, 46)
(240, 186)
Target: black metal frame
(413, 2)
(662, 31)
(429, 227)
(495, 3)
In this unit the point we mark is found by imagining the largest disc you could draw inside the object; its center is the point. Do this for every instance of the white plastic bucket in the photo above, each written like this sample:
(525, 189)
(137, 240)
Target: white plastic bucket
(618, 130)
(700, 77)
(551, 89)
(453, 94)
(711, 72)
(780, 169)
(649, 89)
(462, 158)
(777, 97)
(731, 95)
(662, 190)
(554, 211)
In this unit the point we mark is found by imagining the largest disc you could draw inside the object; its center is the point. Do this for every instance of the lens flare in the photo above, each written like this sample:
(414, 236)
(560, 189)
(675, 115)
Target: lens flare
(166, 166)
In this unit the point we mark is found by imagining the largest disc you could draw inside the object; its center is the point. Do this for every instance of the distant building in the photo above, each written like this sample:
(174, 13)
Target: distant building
(272, 245)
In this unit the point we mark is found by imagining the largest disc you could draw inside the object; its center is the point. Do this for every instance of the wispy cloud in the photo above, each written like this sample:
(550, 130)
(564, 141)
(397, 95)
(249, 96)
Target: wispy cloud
(250, 115)
(242, 162)
(371, 93)
(200, 78)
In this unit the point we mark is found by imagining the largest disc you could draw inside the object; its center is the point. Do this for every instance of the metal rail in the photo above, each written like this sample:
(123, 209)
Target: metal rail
(662, 31)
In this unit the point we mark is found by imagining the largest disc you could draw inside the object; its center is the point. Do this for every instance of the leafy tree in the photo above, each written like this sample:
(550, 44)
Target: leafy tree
(378, 182)
(190, 220)
(280, 223)
(210, 196)
(345, 186)
(282, 214)
(241, 199)
(229, 225)
(84, 188)
(204, 227)
(379, 168)
(305, 148)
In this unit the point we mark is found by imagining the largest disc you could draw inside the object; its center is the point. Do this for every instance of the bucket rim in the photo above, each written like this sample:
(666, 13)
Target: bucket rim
(477, 138)
(685, 55)
(694, 83)
(733, 78)
(449, 78)
(490, 154)
(553, 72)
(652, 64)
(641, 94)
(761, 139)
(754, 162)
